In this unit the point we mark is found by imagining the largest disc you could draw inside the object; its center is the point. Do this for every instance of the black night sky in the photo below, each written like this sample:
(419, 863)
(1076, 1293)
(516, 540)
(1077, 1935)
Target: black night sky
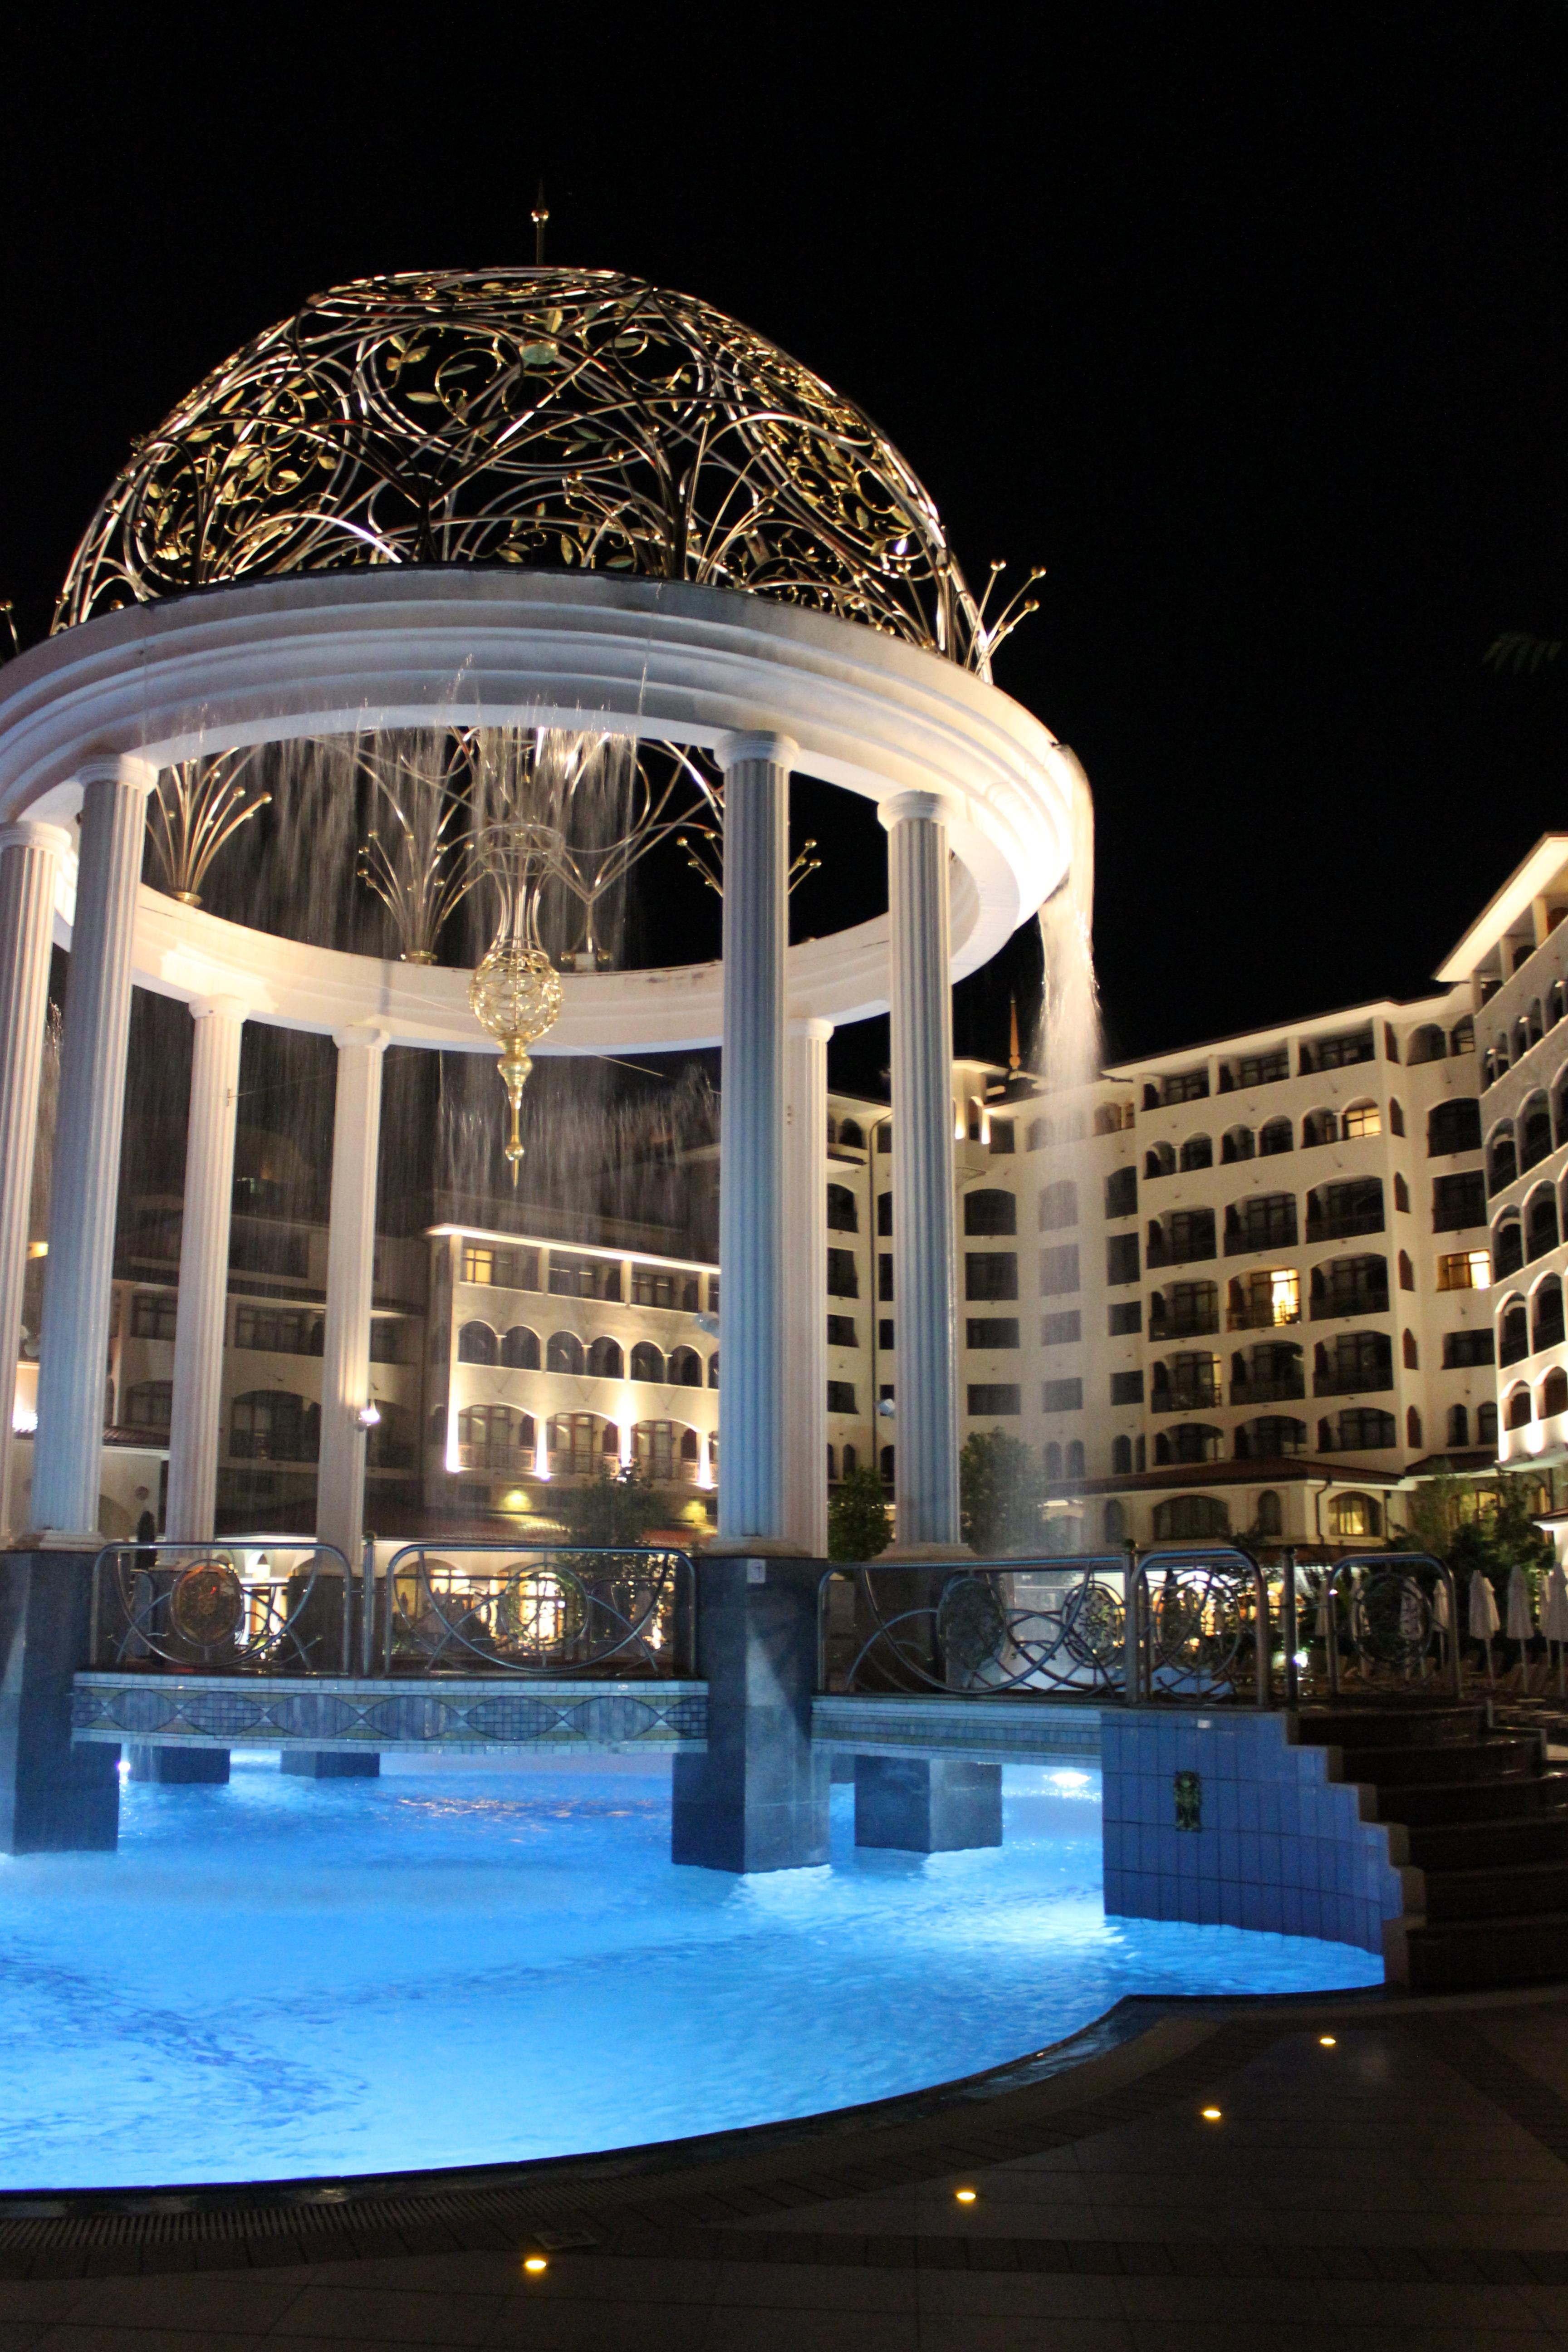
(1248, 324)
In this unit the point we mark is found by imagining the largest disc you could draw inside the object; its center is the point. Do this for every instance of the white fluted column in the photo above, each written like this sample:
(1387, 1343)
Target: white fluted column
(351, 1277)
(195, 1421)
(67, 1450)
(752, 1510)
(926, 1456)
(805, 1257)
(30, 857)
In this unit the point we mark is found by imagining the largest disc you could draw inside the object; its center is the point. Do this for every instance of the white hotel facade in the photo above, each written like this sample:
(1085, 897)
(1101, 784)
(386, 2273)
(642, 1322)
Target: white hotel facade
(1262, 1285)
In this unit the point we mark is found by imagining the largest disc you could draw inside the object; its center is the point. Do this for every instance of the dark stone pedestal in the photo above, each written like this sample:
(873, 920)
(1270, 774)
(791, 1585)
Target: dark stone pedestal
(178, 1767)
(54, 1798)
(927, 1807)
(758, 1798)
(333, 1763)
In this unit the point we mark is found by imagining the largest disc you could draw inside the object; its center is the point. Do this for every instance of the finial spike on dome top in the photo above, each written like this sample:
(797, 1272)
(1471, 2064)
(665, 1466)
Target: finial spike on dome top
(541, 215)
(534, 416)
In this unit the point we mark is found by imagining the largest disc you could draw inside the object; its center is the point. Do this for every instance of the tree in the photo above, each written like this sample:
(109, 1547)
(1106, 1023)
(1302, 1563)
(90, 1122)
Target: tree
(1485, 1523)
(859, 1525)
(612, 1511)
(1001, 1489)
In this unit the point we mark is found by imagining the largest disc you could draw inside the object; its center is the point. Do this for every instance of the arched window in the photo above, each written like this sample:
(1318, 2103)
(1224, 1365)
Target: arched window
(274, 1425)
(653, 1450)
(1276, 1135)
(1395, 1117)
(1458, 1425)
(832, 1467)
(1075, 1457)
(1411, 1354)
(1160, 1160)
(564, 1352)
(1237, 1143)
(1534, 1130)
(851, 1136)
(150, 1405)
(1115, 1522)
(1540, 1231)
(1197, 1152)
(1189, 1518)
(1502, 1159)
(843, 1217)
(648, 1361)
(1486, 1423)
(1514, 1332)
(713, 1369)
(1189, 1441)
(1057, 1210)
(1053, 1460)
(1546, 1319)
(851, 1461)
(1413, 1428)
(606, 1362)
(1407, 1272)
(1508, 1247)
(1361, 1118)
(1121, 1457)
(1270, 1518)
(1427, 1045)
(1519, 1412)
(1555, 1393)
(1555, 1004)
(1462, 1036)
(1560, 1108)
(1354, 1517)
(690, 1452)
(478, 1344)
(685, 1367)
(519, 1348)
(1264, 1221)
(1358, 1429)
(1271, 1437)
(1319, 1126)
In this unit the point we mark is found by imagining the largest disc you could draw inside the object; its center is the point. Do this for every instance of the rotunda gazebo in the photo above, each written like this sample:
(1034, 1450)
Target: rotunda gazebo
(524, 498)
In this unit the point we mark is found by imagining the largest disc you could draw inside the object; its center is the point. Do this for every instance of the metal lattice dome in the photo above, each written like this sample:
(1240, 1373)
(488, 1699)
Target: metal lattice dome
(539, 416)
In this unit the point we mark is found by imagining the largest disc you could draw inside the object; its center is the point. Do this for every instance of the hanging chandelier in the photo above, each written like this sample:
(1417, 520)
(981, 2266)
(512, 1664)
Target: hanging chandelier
(515, 992)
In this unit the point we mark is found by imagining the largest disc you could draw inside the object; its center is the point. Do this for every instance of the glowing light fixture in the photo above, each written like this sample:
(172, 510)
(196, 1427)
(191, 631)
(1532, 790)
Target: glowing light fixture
(534, 2262)
(965, 2196)
(1326, 2041)
(1211, 2115)
(368, 1416)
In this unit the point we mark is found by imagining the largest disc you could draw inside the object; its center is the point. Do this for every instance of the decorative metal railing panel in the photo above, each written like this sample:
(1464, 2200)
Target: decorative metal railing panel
(1369, 1623)
(497, 1608)
(257, 1607)
(985, 1628)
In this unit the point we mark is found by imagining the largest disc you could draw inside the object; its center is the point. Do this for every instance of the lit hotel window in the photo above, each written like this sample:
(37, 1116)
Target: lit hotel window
(1465, 1270)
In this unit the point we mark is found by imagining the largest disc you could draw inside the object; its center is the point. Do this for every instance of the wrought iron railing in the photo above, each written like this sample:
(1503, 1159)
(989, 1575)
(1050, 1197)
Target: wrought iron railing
(283, 1605)
(982, 1628)
(494, 1608)
(1198, 1627)
(1368, 1624)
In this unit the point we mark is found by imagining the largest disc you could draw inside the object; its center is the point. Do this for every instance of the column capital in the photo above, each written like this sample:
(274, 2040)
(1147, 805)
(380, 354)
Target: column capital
(919, 807)
(812, 1025)
(121, 768)
(363, 1032)
(776, 751)
(236, 1008)
(30, 833)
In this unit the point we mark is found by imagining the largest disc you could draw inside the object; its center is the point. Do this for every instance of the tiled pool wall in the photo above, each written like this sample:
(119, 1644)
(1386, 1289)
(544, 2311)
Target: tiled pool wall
(1272, 1843)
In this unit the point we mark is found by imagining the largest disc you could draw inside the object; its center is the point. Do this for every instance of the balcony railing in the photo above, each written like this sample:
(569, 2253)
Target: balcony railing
(1245, 1240)
(1193, 1326)
(1365, 1381)
(1335, 1305)
(1263, 1316)
(1336, 1228)
(1278, 1392)
(1186, 1399)
(1190, 1252)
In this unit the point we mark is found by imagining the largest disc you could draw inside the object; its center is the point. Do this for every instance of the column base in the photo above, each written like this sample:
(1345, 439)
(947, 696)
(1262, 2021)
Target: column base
(758, 1798)
(923, 1552)
(81, 1539)
(178, 1767)
(54, 1798)
(927, 1806)
(331, 1763)
(754, 1548)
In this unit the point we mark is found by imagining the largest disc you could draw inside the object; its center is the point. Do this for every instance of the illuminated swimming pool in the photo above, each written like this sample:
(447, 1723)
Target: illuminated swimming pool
(449, 1965)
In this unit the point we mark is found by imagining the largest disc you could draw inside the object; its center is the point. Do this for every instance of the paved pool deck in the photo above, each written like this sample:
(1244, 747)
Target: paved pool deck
(1405, 2186)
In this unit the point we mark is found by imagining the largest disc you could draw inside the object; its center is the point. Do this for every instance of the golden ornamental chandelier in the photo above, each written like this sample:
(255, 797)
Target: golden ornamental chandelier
(515, 992)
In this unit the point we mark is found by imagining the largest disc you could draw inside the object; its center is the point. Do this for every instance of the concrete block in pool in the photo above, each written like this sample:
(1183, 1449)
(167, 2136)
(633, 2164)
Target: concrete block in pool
(331, 1763)
(758, 1797)
(176, 1768)
(55, 1798)
(924, 1805)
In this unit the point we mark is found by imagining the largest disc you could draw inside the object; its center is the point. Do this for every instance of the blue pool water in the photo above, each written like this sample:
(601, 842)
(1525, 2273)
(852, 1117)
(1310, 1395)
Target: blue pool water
(460, 1965)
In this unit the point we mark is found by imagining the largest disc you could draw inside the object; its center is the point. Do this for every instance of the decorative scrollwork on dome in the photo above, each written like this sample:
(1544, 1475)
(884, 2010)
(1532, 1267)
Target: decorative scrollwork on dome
(545, 416)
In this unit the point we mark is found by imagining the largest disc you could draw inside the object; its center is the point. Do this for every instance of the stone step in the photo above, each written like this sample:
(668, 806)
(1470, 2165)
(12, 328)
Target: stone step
(1439, 1803)
(1391, 1727)
(1497, 1893)
(1443, 1846)
(1488, 1759)
(1521, 1949)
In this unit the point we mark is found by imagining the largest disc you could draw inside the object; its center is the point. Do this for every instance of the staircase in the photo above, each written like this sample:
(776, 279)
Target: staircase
(1483, 1823)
